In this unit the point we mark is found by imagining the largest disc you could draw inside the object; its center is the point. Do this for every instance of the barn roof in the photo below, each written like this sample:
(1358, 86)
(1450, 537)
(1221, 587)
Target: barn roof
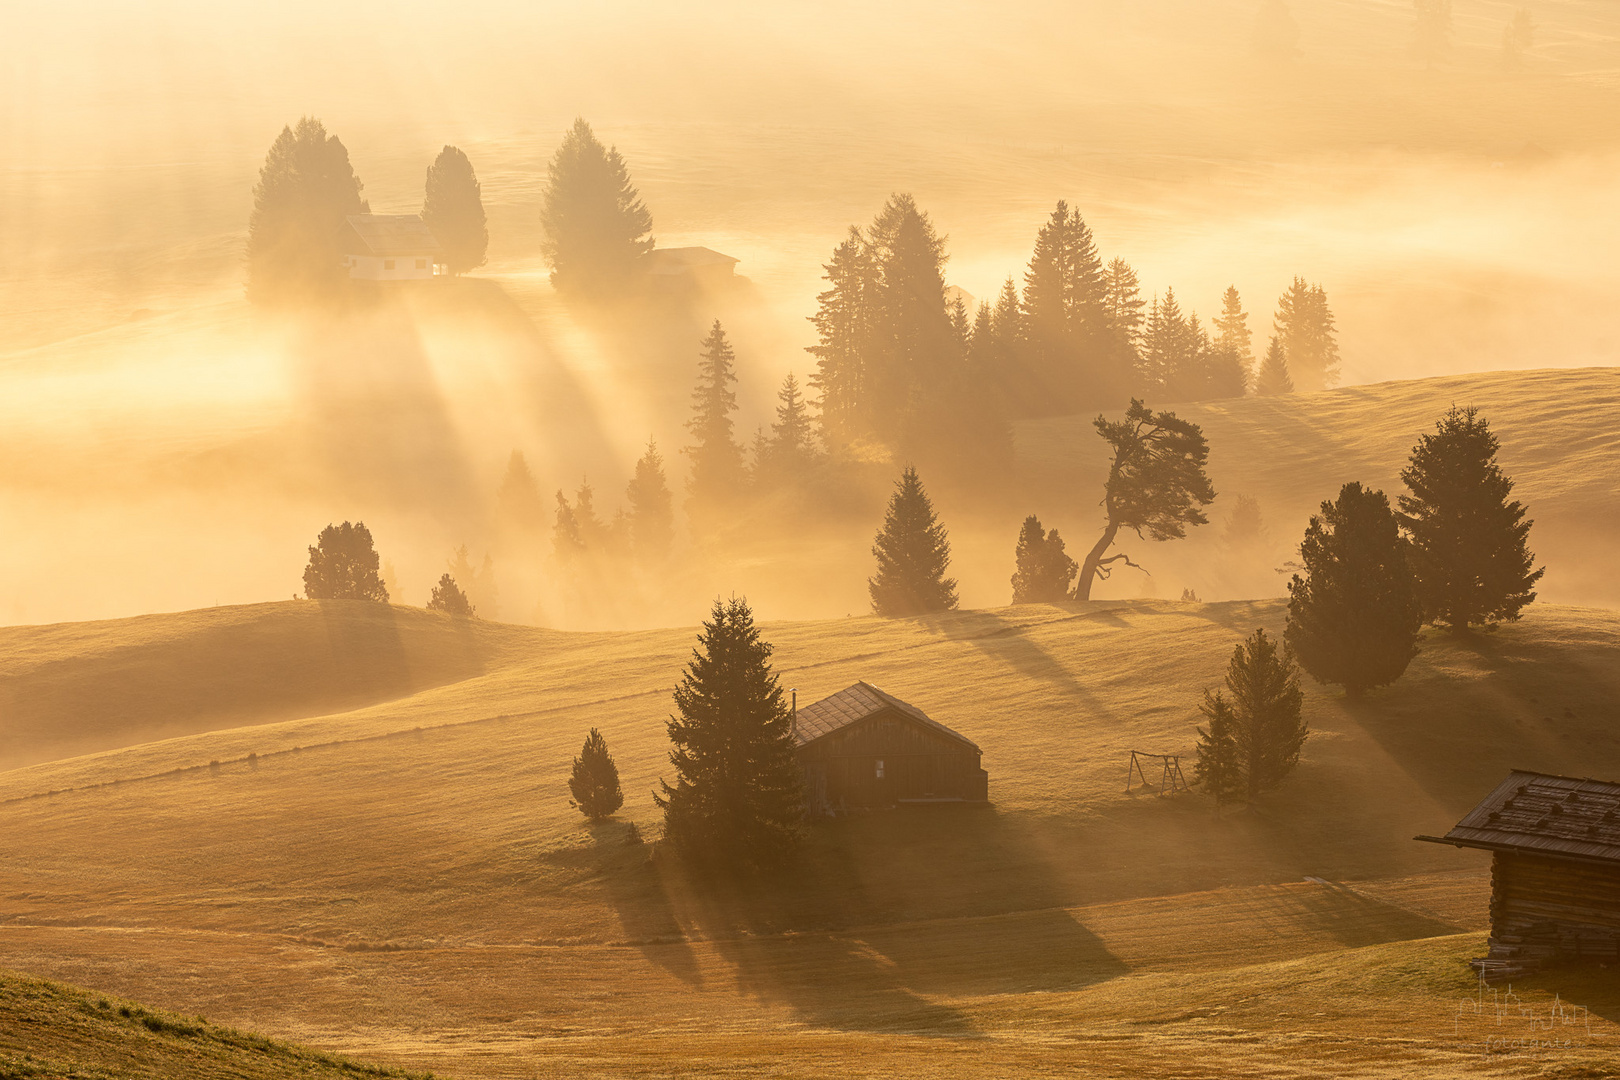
(1541, 814)
(389, 234)
(683, 259)
(855, 704)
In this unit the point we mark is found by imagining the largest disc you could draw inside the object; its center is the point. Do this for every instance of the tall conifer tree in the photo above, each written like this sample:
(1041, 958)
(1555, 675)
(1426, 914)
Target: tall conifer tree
(594, 782)
(844, 322)
(1044, 570)
(453, 210)
(738, 797)
(717, 461)
(913, 554)
(596, 227)
(1468, 542)
(1353, 617)
(1273, 379)
(652, 513)
(1232, 336)
(305, 190)
(1254, 737)
(1305, 325)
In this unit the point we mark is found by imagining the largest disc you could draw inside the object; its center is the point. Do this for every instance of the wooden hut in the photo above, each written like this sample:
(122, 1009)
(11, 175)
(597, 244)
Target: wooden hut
(864, 749)
(1555, 869)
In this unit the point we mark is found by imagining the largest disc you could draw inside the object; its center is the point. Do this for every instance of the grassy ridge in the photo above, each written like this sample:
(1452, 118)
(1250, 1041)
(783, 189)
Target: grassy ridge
(50, 1031)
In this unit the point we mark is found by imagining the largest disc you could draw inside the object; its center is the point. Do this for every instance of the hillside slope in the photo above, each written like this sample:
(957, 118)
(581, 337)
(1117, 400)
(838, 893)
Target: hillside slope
(77, 688)
(409, 875)
(53, 1032)
(1560, 435)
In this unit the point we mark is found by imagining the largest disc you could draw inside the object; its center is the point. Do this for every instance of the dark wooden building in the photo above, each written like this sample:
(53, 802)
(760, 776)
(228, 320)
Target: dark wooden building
(864, 749)
(1555, 869)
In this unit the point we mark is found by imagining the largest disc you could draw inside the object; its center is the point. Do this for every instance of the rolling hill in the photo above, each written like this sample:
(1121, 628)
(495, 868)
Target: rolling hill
(404, 880)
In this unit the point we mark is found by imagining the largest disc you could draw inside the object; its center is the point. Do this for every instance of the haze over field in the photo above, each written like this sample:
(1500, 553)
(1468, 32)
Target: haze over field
(1459, 216)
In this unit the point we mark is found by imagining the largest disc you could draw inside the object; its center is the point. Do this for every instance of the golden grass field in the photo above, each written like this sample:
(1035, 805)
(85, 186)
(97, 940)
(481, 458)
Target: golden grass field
(396, 874)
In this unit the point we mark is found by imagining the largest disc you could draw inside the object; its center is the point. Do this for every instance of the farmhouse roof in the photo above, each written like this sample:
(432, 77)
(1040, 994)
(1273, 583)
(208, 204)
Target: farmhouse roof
(1542, 814)
(855, 704)
(390, 234)
(680, 260)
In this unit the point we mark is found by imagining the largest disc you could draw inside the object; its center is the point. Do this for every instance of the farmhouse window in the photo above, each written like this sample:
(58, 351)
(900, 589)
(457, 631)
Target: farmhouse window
(388, 264)
(880, 768)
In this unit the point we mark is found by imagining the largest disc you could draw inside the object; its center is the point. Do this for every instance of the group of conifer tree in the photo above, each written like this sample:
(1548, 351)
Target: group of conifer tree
(737, 800)
(1453, 552)
(307, 188)
(344, 565)
(899, 364)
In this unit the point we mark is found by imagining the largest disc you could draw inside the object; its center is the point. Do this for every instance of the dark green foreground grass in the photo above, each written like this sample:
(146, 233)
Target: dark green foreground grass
(49, 1031)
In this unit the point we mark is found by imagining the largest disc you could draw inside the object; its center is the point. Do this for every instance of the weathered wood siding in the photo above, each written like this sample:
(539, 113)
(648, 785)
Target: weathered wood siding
(1546, 908)
(917, 763)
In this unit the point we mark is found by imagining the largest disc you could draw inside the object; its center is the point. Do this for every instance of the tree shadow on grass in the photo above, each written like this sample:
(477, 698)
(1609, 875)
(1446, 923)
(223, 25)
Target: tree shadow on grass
(637, 892)
(885, 914)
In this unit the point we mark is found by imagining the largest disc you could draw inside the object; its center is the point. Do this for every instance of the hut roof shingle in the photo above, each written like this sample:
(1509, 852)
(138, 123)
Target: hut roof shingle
(1539, 813)
(854, 704)
(392, 234)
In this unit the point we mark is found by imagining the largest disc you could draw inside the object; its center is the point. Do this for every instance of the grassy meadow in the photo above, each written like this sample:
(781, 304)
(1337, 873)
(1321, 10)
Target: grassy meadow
(396, 873)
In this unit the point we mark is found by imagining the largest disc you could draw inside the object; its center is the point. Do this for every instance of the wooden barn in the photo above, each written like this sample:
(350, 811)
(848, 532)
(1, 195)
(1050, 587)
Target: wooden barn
(390, 247)
(1555, 870)
(864, 749)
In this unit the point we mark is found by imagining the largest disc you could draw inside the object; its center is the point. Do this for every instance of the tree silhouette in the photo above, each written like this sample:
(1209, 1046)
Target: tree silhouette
(913, 554)
(306, 188)
(1232, 337)
(343, 565)
(717, 461)
(913, 354)
(519, 494)
(652, 512)
(1254, 737)
(1305, 325)
(596, 228)
(1064, 319)
(1273, 379)
(788, 454)
(1044, 570)
(567, 539)
(1155, 485)
(738, 796)
(594, 783)
(844, 322)
(1353, 618)
(453, 210)
(448, 598)
(478, 583)
(1468, 543)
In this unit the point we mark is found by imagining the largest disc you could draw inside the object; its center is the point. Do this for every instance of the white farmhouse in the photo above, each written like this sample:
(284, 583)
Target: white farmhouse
(390, 247)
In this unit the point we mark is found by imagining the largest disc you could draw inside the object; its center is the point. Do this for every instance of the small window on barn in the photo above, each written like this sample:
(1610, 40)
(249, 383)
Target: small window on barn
(388, 264)
(880, 768)
(421, 264)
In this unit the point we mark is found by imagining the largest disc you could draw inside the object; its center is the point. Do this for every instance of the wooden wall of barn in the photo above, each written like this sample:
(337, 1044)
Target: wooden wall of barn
(1545, 908)
(919, 762)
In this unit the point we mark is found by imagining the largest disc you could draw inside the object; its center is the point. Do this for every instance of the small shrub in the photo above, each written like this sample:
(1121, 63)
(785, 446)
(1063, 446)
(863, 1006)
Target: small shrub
(253, 762)
(632, 835)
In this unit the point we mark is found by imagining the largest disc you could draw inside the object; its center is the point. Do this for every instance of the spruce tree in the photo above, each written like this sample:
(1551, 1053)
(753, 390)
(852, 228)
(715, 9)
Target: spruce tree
(594, 783)
(453, 210)
(448, 598)
(844, 324)
(305, 191)
(913, 554)
(1254, 737)
(789, 453)
(1306, 327)
(596, 228)
(1353, 617)
(652, 512)
(519, 494)
(1156, 485)
(1065, 319)
(477, 583)
(1467, 540)
(1232, 337)
(1044, 570)
(343, 565)
(718, 471)
(1273, 379)
(915, 348)
(567, 541)
(738, 796)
